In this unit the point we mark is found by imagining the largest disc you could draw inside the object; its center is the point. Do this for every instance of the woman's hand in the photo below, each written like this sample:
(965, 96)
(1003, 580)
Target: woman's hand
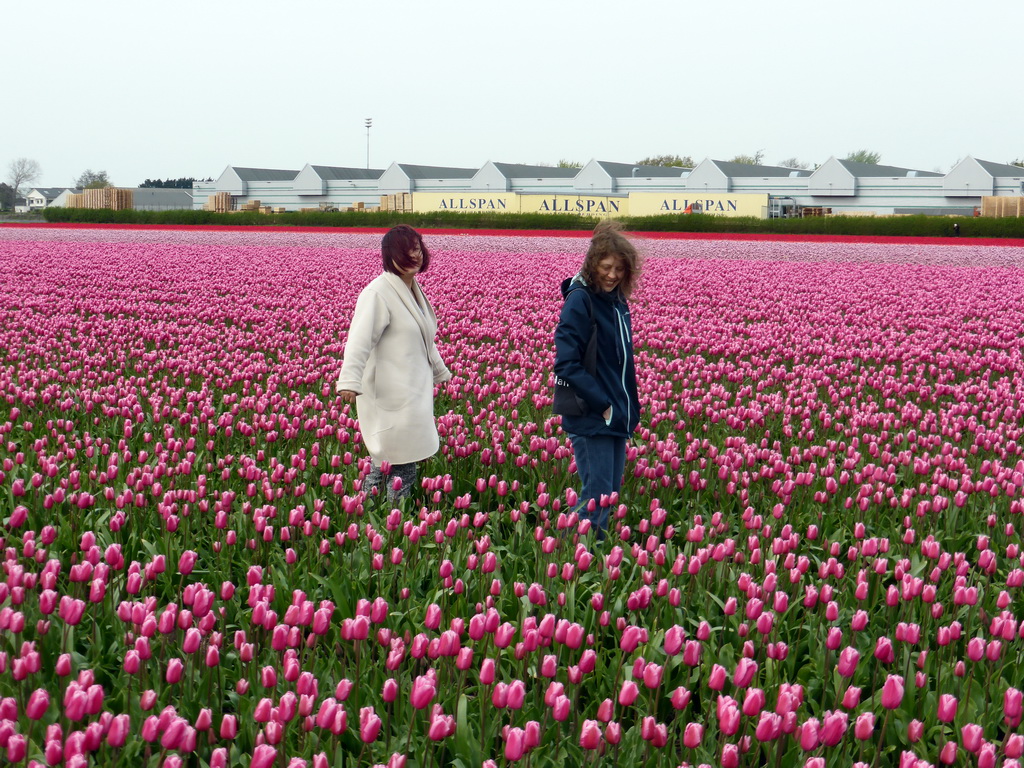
(347, 395)
(607, 415)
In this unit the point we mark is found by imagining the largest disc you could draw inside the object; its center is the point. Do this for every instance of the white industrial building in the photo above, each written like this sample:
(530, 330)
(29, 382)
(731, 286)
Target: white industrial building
(838, 186)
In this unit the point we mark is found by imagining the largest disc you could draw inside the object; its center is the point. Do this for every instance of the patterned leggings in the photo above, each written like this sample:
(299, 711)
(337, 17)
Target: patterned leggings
(404, 472)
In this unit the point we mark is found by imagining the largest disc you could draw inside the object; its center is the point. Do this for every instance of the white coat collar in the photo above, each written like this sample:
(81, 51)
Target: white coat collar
(425, 319)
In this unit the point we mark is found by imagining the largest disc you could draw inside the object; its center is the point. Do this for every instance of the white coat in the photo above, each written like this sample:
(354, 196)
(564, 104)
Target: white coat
(392, 364)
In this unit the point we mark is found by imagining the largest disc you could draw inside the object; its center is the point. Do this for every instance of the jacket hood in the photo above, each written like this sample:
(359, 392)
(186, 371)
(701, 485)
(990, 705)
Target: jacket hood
(576, 282)
(572, 283)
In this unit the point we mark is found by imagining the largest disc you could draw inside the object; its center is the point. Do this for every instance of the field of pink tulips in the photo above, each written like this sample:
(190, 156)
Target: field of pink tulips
(816, 559)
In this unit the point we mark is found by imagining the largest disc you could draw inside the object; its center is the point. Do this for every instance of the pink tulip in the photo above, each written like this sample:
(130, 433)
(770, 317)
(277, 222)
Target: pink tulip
(833, 726)
(1014, 745)
(652, 675)
(204, 719)
(973, 737)
(915, 730)
(422, 693)
(674, 638)
(717, 678)
(680, 698)
(228, 727)
(561, 708)
(369, 725)
(53, 752)
(37, 705)
(692, 653)
(947, 708)
(590, 735)
(892, 692)
(753, 702)
(343, 689)
(515, 744)
(693, 735)
(1013, 706)
(63, 665)
(630, 639)
(433, 618)
(628, 693)
(947, 754)
(120, 726)
(729, 720)
(17, 748)
(147, 700)
(745, 671)
(864, 727)
(769, 726)
(187, 562)
(263, 756)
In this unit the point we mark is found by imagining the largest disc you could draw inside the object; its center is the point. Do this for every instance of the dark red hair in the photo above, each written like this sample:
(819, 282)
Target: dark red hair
(395, 247)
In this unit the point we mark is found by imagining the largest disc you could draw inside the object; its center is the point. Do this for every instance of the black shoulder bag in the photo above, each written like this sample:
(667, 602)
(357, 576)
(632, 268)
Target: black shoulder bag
(566, 401)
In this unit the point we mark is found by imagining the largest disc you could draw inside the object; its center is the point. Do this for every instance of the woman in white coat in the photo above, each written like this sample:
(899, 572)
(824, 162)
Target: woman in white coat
(391, 365)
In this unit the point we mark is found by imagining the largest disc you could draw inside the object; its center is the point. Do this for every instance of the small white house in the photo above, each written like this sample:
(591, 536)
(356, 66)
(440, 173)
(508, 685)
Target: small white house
(43, 197)
(61, 201)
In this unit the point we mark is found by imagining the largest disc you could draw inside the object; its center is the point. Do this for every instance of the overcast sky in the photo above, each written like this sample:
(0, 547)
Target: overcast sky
(163, 90)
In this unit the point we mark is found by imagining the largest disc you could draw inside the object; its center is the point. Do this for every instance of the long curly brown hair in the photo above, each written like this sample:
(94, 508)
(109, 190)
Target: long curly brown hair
(608, 240)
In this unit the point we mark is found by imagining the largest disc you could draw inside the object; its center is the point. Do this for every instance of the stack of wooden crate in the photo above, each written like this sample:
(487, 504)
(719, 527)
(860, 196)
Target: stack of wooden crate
(111, 198)
(401, 202)
(813, 210)
(218, 202)
(1002, 207)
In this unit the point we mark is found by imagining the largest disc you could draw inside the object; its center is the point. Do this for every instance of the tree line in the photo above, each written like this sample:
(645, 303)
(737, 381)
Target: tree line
(24, 172)
(686, 161)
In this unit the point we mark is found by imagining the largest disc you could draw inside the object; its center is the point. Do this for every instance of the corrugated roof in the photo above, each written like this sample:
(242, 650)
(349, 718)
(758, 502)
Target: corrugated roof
(745, 170)
(521, 171)
(622, 170)
(336, 173)
(1001, 169)
(436, 172)
(264, 174)
(872, 170)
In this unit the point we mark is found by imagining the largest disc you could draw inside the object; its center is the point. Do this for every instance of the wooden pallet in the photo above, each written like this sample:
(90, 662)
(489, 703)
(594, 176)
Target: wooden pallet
(998, 207)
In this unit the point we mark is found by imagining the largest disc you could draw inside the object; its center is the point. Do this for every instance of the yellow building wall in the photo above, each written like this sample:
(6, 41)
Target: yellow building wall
(466, 202)
(659, 203)
(602, 206)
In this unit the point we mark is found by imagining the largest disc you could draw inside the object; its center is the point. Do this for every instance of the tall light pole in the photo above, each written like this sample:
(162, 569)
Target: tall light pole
(369, 122)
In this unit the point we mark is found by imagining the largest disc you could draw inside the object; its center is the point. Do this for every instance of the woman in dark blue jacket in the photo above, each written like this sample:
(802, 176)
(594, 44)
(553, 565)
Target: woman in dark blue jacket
(597, 296)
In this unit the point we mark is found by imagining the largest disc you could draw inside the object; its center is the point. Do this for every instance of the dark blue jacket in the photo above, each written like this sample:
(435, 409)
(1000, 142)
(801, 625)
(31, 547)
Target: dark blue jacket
(614, 382)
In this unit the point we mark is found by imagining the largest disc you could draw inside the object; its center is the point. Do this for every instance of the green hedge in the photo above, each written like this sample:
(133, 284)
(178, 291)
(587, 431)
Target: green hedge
(914, 226)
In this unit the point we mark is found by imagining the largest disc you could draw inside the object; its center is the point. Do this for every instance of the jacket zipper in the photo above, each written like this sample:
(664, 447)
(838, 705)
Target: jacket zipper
(623, 337)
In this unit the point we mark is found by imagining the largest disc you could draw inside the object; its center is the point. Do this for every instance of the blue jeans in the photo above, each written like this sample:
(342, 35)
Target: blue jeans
(600, 461)
(385, 483)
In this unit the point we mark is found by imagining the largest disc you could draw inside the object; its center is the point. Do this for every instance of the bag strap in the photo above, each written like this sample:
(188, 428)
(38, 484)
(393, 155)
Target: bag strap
(590, 356)
(590, 308)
